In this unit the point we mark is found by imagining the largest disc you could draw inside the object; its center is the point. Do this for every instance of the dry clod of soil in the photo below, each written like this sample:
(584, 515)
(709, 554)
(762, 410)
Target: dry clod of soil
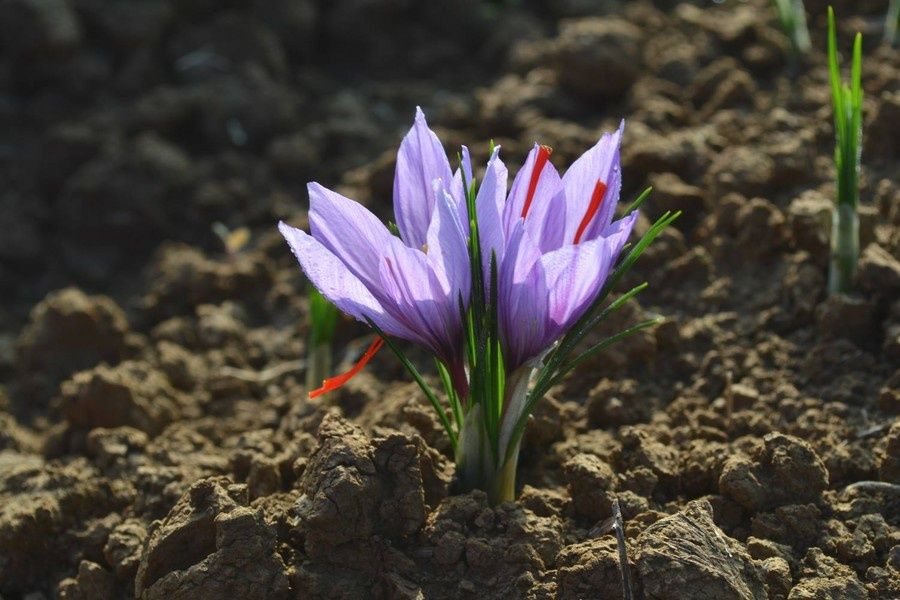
(182, 277)
(130, 394)
(92, 582)
(208, 538)
(597, 58)
(69, 331)
(591, 483)
(809, 217)
(353, 487)
(889, 466)
(878, 272)
(688, 556)
(781, 470)
(843, 315)
(823, 578)
(670, 193)
(589, 569)
(46, 516)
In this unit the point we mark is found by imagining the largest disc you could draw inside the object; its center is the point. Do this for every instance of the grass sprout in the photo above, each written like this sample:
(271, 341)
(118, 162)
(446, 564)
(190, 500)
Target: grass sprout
(847, 102)
(792, 17)
(322, 323)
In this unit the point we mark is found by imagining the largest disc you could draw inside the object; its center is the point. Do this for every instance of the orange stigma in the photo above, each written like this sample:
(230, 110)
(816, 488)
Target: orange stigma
(539, 162)
(333, 383)
(593, 207)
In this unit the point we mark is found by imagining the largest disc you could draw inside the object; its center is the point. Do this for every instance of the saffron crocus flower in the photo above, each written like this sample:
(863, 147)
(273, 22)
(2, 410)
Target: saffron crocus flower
(500, 288)
(409, 287)
(552, 242)
(555, 242)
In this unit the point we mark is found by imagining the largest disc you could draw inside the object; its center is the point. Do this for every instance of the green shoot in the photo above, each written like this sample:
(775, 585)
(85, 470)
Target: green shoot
(847, 105)
(891, 20)
(322, 323)
(792, 17)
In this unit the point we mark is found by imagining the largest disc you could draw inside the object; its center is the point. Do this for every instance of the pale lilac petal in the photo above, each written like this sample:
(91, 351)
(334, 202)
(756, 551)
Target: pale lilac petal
(617, 233)
(604, 216)
(336, 282)
(420, 161)
(546, 216)
(602, 163)
(447, 250)
(543, 295)
(458, 191)
(575, 274)
(349, 230)
(489, 206)
(413, 295)
(523, 298)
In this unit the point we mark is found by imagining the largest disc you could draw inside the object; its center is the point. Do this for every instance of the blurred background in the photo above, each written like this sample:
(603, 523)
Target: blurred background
(149, 147)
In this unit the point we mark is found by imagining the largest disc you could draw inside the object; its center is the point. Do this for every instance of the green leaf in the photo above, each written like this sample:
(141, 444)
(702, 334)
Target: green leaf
(322, 319)
(639, 200)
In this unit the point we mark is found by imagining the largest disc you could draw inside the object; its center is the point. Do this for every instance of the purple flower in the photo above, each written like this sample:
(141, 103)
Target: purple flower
(410, 286)
(555, 243)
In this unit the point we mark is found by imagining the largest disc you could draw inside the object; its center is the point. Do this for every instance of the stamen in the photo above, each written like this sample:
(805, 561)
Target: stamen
(334, 383)
(593, 207)
(539, 162)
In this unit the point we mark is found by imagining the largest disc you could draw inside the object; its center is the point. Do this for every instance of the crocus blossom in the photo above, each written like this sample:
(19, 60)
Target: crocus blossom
(487, 278)
(554, 241)
(553, 238)
(411, 286)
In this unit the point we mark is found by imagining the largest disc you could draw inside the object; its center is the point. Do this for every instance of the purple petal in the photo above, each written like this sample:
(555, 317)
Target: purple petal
(415, 297)
(542, 296)
(546, 213)
(522, 308)
(458, 191)
(336, 282)
(602, 162)
(447, 250)
(349, 230)
(420, 160)
(489, 206)
(575, 274)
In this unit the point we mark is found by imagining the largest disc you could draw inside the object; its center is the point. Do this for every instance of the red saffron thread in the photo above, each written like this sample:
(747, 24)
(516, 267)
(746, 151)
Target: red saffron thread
(333, 383)
(593, 207)
(539, 162)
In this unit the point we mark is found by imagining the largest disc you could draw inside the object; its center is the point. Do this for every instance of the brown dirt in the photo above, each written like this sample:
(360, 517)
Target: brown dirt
(156, 442)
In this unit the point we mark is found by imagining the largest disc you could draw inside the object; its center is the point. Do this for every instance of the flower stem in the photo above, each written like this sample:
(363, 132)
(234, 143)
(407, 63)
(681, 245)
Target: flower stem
(476, 466)
(844, 247)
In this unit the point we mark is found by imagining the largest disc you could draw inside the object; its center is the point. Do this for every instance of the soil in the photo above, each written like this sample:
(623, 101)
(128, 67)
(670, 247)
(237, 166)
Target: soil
(156, 440)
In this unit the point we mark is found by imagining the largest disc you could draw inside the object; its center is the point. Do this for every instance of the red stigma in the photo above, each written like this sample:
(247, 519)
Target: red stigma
(539, 162)
(333, 383)
(593, 207)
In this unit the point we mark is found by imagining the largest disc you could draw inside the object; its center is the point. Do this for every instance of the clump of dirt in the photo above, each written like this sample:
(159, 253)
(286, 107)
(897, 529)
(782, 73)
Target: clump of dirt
(156, 439)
